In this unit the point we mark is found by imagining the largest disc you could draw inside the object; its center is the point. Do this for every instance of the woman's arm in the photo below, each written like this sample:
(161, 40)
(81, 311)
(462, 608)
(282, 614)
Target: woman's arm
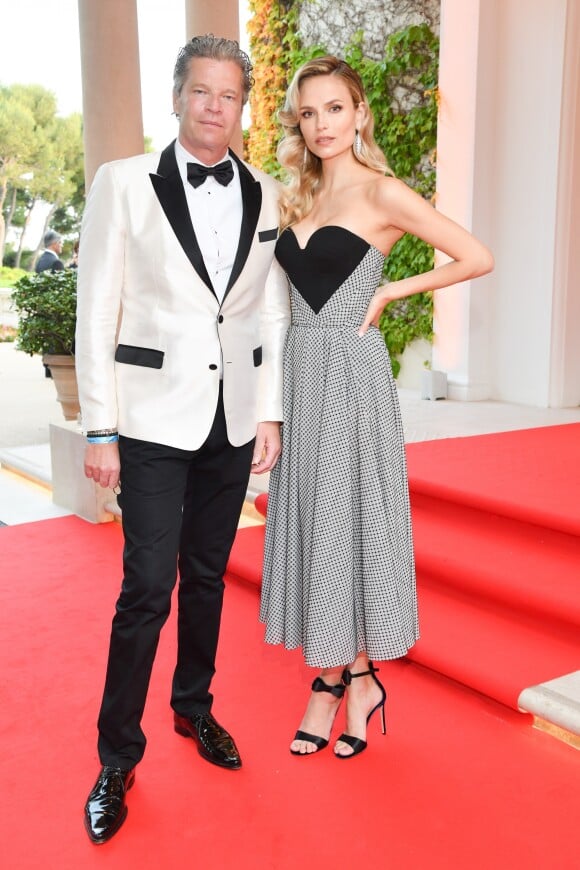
(409, 212)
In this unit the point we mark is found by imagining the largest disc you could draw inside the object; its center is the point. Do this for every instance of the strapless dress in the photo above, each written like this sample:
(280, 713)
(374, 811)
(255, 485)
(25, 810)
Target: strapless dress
(339, 574)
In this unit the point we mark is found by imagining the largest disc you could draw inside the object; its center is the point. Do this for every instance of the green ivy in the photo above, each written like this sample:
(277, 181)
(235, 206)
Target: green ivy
(407, 319)
(407, 136)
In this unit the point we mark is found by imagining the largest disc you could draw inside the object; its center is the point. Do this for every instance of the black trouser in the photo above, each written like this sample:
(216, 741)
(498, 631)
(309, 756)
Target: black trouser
(180, 508)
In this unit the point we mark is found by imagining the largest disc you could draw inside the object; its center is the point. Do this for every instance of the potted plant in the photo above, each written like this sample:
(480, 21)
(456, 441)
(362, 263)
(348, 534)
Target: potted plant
(46, 307)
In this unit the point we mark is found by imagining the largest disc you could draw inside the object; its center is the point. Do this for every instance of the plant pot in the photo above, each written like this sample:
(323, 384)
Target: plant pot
(62, 369)
(433, 385)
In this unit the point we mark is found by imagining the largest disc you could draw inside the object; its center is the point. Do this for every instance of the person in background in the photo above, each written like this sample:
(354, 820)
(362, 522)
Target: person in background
(50, 257)
(339, 575)
(182, 315)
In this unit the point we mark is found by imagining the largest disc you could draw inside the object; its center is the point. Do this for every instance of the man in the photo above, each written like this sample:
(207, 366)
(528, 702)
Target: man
(182, 314)
(49, 259)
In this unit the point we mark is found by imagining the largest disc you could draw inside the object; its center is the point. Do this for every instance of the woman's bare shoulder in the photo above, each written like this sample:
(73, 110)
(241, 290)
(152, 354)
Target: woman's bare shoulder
(391, 189)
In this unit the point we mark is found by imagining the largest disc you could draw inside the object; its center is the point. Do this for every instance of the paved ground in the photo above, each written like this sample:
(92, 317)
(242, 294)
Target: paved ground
(27, 399)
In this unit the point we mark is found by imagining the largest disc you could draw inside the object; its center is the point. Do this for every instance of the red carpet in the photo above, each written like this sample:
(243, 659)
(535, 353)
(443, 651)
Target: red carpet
(459, 781)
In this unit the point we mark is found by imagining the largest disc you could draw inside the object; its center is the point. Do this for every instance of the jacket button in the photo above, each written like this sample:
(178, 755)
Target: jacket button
(213, 367)
(221, 318)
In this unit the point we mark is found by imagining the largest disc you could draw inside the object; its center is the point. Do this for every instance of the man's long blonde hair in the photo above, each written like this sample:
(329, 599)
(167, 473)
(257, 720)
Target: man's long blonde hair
(304, 169)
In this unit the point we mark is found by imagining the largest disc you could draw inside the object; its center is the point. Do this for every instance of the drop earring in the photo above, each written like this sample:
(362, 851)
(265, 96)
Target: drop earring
(305, 157)
(357, 145)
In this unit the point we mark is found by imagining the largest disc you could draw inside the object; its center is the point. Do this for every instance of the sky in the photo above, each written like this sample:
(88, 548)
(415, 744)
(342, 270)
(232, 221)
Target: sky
(40, 45)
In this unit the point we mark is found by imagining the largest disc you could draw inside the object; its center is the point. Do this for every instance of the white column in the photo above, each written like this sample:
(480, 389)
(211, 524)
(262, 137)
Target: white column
(528, 56)
(507, 170)
(461, 341)
(222, 18)
(565, 368)
(112, 114)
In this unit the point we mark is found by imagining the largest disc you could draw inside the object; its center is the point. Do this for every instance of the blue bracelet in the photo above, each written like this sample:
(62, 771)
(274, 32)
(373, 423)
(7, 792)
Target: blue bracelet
(102, 439)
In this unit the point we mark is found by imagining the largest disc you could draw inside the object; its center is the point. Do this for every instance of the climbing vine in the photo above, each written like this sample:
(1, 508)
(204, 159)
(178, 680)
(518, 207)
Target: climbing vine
(271, 25)
(402, 93)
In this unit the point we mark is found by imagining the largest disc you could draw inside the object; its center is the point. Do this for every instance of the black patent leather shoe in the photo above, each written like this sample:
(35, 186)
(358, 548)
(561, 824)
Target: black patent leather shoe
(105, 809)
(213, 742)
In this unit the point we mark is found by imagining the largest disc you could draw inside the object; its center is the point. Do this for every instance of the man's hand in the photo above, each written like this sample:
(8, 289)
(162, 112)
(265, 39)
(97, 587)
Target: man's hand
(102, 464)
(267, 447)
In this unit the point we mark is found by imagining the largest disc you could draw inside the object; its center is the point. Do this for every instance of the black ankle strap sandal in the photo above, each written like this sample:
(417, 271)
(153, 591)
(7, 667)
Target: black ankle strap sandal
(356, 744)
(318, 686)
(348, 676)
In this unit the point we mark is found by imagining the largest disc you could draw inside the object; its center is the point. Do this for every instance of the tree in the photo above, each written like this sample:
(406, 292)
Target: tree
(17, 127)
(44, 163)
(20, 213)
(60, 179)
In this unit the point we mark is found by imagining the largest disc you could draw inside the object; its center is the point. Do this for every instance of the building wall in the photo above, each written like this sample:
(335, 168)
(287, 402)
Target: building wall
(507, 152)
(333, 23)
(565, 369)
(526, 136)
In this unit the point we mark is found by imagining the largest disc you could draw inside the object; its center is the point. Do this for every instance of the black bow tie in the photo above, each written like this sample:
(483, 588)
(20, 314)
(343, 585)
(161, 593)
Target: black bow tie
(197, 173)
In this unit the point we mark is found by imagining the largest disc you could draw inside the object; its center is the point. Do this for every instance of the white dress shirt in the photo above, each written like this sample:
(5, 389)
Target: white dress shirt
(216, 214)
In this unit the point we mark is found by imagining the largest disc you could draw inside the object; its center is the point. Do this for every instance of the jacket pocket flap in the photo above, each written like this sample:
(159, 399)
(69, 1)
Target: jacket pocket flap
(268, 235)
(139, 356)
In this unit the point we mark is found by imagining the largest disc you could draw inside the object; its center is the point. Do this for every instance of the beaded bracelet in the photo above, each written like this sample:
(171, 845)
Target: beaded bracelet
(102, 439)
(97, 433)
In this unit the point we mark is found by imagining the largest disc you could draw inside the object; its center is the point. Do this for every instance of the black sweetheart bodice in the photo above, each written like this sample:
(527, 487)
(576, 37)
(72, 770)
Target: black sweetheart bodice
(333, 259)
(330, 256)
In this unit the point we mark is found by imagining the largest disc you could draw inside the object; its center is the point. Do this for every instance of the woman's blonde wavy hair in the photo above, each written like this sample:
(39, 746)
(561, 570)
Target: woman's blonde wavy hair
(304, 169)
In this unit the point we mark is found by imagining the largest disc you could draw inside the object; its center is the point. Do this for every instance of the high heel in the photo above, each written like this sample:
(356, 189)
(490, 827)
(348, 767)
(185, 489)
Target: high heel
(357, 745)
(318, 686)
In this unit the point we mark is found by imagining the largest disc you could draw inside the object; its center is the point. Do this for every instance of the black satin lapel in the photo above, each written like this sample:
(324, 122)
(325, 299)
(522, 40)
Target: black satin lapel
(252, 203)
(171, 195)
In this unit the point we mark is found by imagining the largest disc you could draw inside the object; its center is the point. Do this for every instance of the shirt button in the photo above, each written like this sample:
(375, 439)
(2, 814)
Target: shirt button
(213, 367)
(221, 318)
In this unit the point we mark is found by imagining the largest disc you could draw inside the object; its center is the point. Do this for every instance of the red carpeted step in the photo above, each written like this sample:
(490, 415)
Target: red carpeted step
(261, 503)
(247, 555)
(484, 645)
(496, 523)
(482, 554)
(488, 649)
(531, 475)
(531, 569)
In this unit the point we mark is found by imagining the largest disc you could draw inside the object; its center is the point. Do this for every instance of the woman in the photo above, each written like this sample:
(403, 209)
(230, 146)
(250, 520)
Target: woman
(339, 577)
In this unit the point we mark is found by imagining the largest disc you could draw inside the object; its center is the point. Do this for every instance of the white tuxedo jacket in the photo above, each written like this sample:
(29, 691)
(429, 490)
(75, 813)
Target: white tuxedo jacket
(150, 329)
